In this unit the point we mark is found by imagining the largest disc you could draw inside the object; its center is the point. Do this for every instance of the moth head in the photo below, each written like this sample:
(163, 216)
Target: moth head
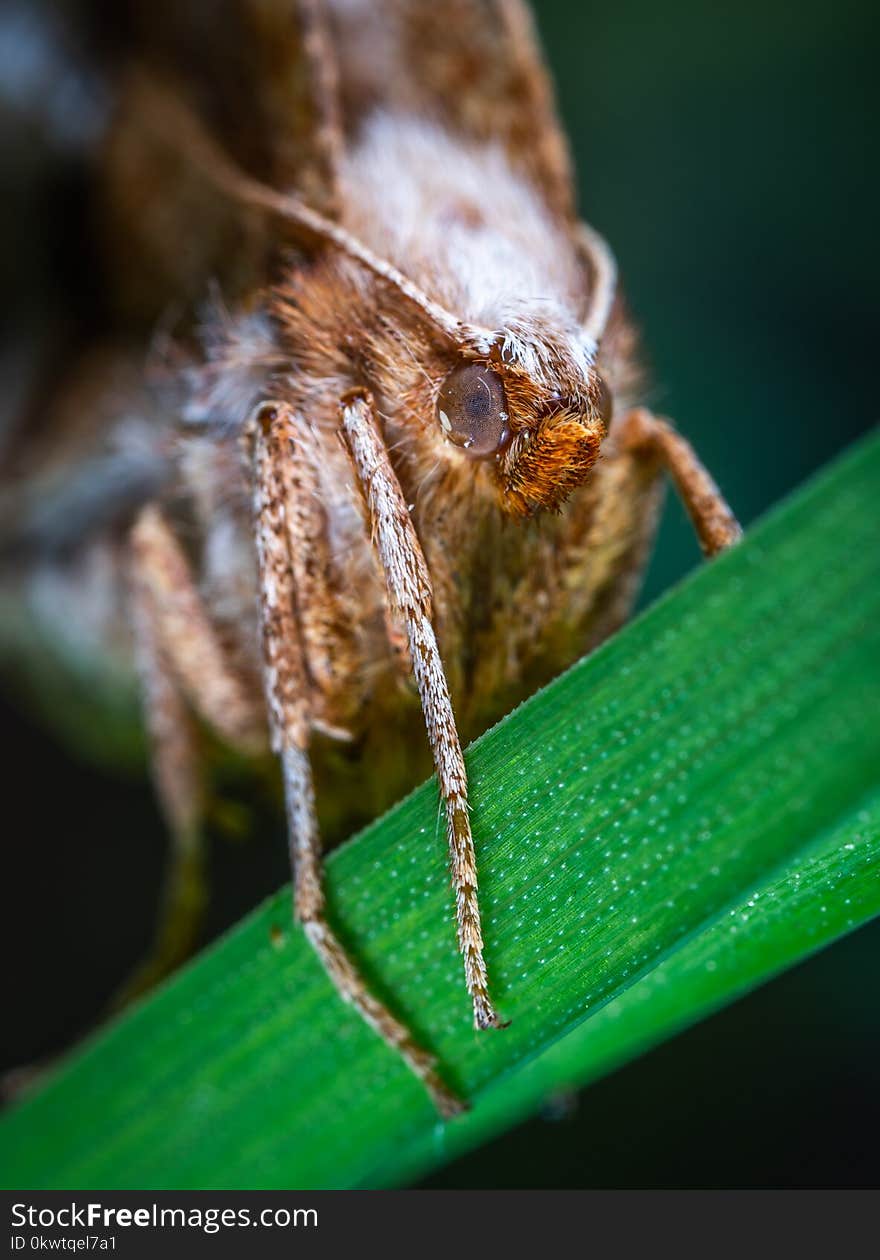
(537, 409)
(529, 398)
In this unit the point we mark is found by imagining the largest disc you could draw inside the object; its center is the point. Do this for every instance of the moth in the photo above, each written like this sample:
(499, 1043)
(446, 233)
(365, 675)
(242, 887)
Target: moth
(375, 463)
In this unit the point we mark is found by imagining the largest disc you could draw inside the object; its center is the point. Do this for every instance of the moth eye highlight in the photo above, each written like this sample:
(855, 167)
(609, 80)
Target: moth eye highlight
(472, 409)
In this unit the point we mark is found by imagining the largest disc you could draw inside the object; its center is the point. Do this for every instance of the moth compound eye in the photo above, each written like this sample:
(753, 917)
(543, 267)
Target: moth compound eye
(472, 409)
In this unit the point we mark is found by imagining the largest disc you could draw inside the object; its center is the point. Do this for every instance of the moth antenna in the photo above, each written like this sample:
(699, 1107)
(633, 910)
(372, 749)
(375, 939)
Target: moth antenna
(173, 118)
(596, 251)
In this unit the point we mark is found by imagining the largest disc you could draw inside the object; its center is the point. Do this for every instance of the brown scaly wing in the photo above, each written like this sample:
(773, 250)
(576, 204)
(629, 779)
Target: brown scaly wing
(260, 76)
(156, 235)
(144, 232)
(475, 64)
(260, 72)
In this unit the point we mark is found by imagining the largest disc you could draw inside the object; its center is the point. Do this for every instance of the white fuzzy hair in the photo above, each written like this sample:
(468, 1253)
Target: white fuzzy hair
(240, 353)
(456, 219)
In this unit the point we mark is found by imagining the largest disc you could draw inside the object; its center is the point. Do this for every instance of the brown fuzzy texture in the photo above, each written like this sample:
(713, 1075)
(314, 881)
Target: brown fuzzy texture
(533, 554)
(544, 466)
(383, 193)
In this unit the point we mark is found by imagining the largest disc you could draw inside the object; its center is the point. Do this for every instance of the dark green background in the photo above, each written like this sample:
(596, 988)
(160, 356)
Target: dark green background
(728, 153)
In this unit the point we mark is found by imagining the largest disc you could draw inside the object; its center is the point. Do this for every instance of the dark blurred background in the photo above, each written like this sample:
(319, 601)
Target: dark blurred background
(728, 153)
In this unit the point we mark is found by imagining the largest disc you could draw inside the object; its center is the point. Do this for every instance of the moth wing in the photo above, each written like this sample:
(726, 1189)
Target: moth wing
(260, 76)
(146, 235)
(149, 236)
(475, 64)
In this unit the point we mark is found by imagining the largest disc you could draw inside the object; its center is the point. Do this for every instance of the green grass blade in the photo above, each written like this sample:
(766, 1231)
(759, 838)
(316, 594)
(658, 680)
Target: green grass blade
(680, 816)
(831, 887)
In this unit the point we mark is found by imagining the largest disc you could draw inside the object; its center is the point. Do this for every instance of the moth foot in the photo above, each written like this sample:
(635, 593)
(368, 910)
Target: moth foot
(485, 1016)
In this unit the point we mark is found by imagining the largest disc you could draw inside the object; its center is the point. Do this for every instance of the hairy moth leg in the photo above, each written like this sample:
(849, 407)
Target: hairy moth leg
(409, 589)
(287, 692)
(715, 525)
(323, 633)
(320, 619)
(188, 639)
(176, 774)
(182, 668)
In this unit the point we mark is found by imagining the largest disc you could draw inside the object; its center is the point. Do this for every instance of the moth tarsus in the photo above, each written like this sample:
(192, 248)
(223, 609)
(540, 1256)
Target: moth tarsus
(409, 589)
(381, 455)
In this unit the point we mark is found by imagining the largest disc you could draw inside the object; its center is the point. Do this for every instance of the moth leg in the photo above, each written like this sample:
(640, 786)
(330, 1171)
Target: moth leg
(324, 634)
(183, 669)
(287, 697)
(188, 640)
(409, 588)
(177, 776)
(715, 525)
